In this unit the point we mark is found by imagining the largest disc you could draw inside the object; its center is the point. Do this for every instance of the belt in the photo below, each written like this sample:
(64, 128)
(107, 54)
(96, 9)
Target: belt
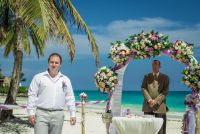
(49, 110)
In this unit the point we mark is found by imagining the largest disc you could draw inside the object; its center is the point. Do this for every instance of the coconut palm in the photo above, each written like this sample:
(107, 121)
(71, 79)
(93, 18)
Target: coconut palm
(22, 20)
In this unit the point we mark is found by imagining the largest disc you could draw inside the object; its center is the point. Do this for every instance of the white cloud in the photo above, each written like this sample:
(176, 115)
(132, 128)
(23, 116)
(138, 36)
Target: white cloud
(121, 30)
(135, 26)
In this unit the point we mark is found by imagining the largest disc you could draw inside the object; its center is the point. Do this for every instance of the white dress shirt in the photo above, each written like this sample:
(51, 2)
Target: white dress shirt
(50, 93)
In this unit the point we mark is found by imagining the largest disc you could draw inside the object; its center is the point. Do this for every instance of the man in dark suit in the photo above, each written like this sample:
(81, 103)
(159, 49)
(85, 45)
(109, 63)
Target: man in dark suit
(155, 88)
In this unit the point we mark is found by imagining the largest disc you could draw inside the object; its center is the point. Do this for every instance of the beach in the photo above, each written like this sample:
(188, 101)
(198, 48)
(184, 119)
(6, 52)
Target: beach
(93, 124)
(93, 121)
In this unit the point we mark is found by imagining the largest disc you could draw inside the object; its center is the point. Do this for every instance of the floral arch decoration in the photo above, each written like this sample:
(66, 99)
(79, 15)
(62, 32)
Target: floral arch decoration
(146, 45)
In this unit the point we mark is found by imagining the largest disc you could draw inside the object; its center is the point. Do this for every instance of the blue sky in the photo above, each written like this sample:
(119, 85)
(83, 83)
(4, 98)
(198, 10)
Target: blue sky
(112, 20)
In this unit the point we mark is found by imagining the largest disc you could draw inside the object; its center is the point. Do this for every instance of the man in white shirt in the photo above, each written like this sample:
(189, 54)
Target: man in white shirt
(48, 93)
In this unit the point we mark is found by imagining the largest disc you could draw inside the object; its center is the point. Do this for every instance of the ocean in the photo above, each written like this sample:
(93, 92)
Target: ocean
(134, 99)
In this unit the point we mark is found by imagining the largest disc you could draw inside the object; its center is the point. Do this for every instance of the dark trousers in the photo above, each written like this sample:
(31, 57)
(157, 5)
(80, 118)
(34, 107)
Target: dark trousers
(158, 115)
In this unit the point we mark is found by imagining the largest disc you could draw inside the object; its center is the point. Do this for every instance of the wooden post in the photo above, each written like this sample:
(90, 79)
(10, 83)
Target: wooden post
(83, 97)
(83, 116)
(197, 115)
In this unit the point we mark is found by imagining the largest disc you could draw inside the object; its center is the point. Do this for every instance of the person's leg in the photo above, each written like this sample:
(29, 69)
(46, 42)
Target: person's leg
(42, 125)
(56, 122)
(163, 128)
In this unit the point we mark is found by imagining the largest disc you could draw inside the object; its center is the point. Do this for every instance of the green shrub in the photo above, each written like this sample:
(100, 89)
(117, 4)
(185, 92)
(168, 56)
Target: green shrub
(23, 90)
(4, 90)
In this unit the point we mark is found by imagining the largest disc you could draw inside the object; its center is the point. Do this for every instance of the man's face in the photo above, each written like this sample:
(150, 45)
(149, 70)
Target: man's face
(54, 64)
(155, 66)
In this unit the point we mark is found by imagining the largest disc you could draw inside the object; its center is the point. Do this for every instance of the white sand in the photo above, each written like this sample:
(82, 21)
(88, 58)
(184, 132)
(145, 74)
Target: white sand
(93, 124)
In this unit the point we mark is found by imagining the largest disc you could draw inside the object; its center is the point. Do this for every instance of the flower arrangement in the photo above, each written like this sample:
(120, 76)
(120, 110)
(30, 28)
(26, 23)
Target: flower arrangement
(191, 77)
(119, 53)
(64, 86)
(105, 80)
(83, 96)
(182, 51)
(145, 45)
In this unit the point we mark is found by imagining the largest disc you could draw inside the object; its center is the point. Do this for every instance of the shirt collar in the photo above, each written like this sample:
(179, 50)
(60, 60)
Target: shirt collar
(58, 75)
(157, 74)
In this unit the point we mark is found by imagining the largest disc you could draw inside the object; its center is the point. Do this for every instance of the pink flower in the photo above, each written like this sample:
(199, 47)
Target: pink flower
(154, 37)
(150, 49)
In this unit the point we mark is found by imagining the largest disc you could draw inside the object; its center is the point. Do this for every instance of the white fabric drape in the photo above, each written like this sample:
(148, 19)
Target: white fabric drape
(115, 103)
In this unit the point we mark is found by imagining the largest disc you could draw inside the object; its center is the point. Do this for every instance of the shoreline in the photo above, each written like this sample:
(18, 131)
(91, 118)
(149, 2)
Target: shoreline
(100, 108)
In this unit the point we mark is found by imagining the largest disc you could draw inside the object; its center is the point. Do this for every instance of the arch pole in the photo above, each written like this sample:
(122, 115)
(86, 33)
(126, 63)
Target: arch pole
(115, 102)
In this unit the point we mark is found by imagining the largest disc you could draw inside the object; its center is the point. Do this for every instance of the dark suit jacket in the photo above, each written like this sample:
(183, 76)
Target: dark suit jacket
(163, 82)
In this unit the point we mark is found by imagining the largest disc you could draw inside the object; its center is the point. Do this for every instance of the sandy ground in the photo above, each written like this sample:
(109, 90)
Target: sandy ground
(93, 124)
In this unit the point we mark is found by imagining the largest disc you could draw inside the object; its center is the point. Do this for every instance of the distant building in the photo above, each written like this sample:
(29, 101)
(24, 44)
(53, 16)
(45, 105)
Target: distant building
(6, 82)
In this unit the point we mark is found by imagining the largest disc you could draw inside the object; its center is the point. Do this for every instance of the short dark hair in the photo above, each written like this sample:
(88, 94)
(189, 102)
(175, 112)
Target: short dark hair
(158, 62)
(55, 54)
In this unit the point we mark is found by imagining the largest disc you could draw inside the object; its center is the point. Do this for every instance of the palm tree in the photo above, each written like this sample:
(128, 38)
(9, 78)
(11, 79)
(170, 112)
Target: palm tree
(36, 19)
(1, 74)
(19, 20)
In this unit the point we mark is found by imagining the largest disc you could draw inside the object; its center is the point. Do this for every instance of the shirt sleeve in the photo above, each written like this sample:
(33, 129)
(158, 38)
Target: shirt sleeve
(32, 96)
(70, 100)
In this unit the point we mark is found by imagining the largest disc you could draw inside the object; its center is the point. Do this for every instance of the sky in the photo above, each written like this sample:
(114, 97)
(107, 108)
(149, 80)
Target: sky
(116, 20)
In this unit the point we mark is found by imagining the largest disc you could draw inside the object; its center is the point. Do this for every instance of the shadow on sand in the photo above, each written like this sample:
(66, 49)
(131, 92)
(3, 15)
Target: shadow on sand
(15, 126)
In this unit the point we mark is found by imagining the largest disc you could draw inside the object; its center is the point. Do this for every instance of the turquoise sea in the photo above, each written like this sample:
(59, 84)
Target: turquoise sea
(134, 99)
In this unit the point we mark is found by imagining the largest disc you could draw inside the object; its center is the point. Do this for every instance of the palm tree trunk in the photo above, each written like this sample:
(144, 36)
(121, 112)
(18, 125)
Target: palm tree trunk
(15, 79)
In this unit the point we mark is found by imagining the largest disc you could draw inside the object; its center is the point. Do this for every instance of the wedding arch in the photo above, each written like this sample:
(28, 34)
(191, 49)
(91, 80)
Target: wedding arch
(142, 46)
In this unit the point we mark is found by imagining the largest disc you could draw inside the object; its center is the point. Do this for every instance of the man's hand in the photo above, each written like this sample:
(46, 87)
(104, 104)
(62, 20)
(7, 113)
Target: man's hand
(152, 102)
(31, 119)
(149, 101)
(72, 120)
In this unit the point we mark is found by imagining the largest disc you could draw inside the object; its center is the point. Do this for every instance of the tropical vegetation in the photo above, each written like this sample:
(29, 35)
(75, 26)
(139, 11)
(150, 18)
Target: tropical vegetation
(31, 22)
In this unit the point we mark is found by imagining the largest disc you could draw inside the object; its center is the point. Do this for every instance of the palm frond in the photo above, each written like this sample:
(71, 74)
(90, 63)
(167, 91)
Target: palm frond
(81, 24)
(38, 42)
(58, 28)
(26, 42)
(38, 46)
(9, 46)
(8, 36)
(35, 11)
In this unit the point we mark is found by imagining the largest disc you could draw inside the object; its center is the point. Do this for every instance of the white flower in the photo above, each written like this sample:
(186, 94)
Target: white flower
(183, 44)
(187, 83)
(83, 95)
(105, 82)
(119, 53)
(198, 84)
(160, 35)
